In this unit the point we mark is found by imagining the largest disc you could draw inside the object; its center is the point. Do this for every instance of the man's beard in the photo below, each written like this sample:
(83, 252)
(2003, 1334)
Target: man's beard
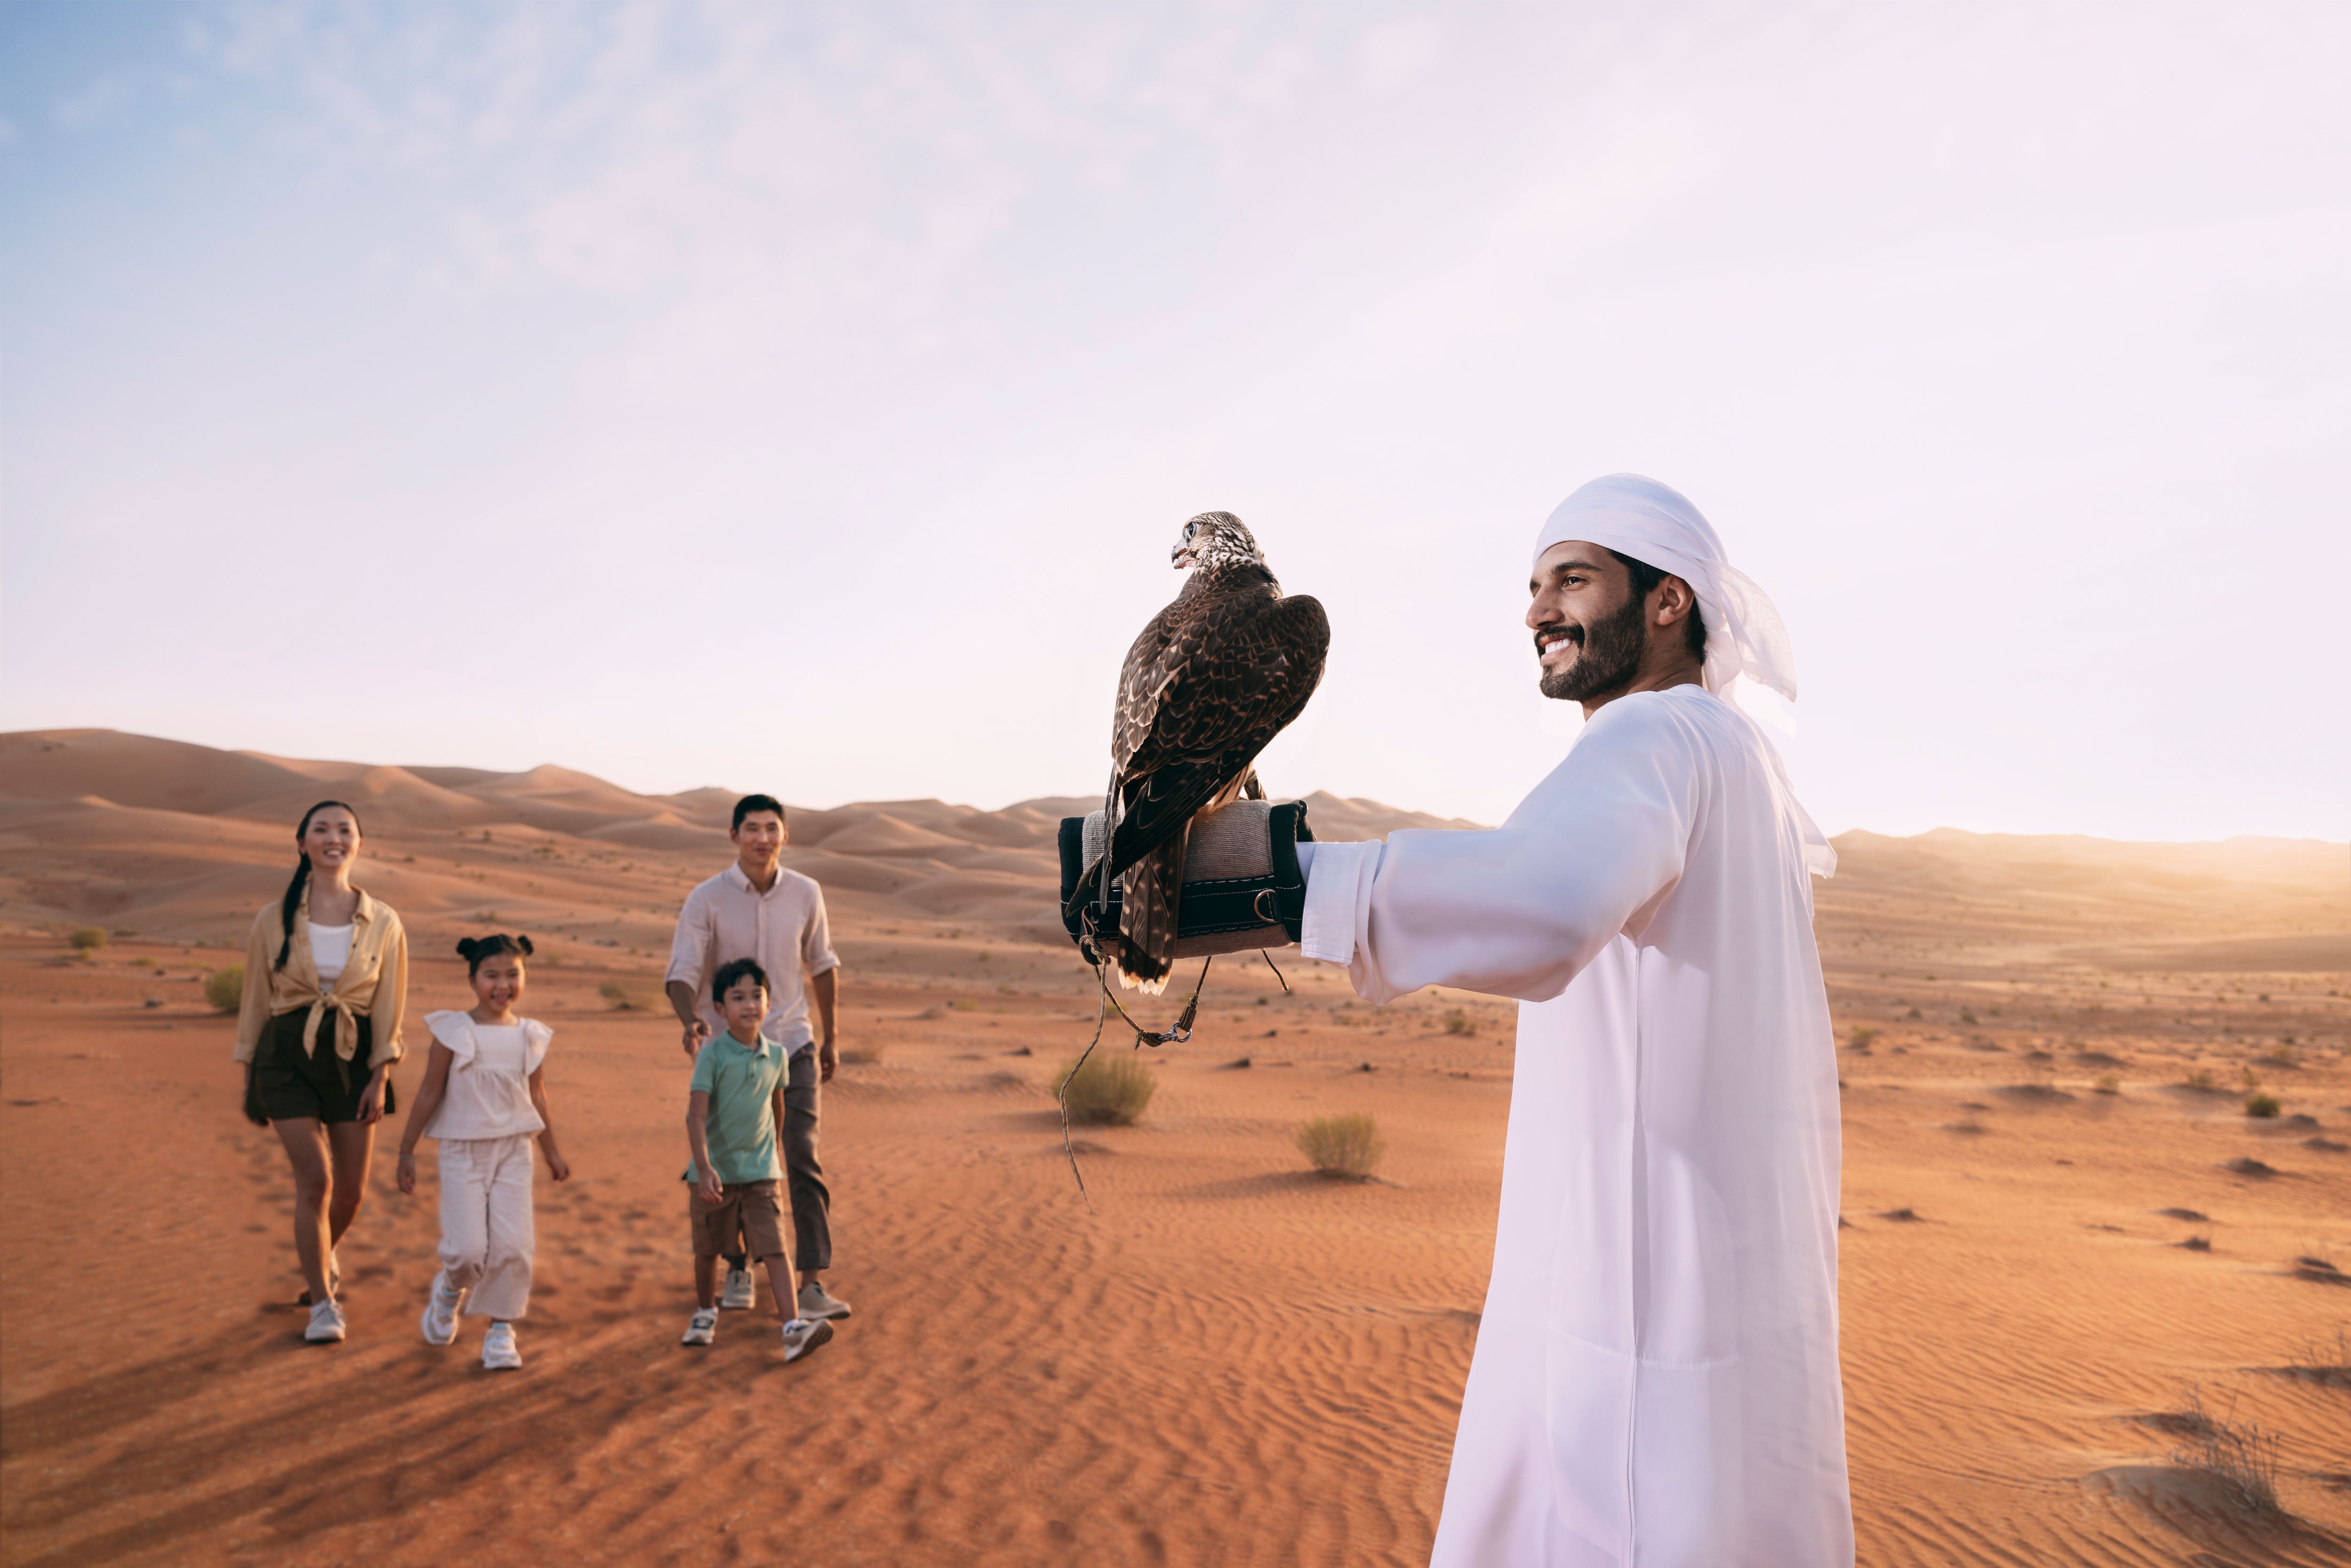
(1608, 657)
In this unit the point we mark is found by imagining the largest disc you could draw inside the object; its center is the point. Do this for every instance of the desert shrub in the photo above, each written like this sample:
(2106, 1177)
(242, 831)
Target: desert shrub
(617, 994)
(1859, 1039)
(2251, 1078)
(2202, 1080)
(865, 1055)
(224, 988)
(87, 939)
(2260, 1104)
(2242, 1458)
(2108, 1083)
(964, 1005)
(1112, 1089)
(1458, 1022)
(1346, 1147)
(1967, 1015)
(2280, 1055)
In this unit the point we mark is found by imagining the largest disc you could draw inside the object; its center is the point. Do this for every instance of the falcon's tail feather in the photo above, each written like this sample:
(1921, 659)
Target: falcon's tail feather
(1150, 896)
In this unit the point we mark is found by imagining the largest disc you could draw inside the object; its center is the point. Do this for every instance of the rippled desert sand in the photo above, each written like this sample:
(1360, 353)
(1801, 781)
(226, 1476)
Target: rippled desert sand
(1228, 1360)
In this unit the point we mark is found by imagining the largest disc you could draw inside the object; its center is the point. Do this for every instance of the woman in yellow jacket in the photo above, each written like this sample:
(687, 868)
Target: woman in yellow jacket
(326, 980)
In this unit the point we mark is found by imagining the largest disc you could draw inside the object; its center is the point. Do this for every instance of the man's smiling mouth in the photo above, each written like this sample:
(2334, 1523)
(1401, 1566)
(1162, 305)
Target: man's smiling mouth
(1552, 639)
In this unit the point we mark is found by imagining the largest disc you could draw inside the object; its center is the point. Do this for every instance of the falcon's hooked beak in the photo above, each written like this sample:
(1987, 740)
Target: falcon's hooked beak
(1181, 557)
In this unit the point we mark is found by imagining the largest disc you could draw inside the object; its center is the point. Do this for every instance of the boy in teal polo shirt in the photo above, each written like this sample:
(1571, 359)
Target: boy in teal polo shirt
(733, 1108)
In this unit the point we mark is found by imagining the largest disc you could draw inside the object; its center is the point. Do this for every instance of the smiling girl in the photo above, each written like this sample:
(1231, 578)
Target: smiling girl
(326, 980)
(482, 1098)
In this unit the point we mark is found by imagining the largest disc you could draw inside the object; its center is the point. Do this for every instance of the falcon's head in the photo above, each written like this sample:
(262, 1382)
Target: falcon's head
(1215, 539)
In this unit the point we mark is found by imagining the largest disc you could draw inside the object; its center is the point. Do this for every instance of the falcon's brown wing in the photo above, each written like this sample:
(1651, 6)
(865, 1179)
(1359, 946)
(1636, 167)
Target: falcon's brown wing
(1223, 683)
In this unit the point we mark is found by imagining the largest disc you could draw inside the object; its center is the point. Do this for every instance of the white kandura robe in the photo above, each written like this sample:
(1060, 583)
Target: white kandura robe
(1656, 1378)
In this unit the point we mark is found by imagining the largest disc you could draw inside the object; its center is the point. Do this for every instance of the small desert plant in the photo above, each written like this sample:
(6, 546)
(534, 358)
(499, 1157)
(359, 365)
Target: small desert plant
(1456, 1022)
(224, 988)
(1112, 1089)
(2260, 1104)
(1859, 1039)
(1967, 1015)
(1344, 1148)
(2201, 1081)
(617, 994)
(2243, 1458)
(964, 1005)
(87, 939)
(2280, 1055)
(2107, 1083)
(2252, 1080)
(862, 1055)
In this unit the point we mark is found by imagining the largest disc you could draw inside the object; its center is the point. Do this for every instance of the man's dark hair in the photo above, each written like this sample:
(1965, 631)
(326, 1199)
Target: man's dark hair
(740, 969)
(1645, 578)
(750, 803)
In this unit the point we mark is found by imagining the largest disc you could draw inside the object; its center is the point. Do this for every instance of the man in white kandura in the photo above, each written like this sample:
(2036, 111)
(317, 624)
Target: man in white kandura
(1656, 1380)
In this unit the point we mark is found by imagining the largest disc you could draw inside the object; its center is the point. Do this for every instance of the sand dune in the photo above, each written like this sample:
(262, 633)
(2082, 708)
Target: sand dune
(2044, 1044)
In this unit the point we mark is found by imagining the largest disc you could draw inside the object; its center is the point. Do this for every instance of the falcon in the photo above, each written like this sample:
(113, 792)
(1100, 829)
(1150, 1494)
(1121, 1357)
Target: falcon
(1213, 677)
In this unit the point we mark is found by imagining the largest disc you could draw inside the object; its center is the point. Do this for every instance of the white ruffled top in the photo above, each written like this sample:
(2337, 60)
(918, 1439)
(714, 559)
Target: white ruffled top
(488, 1094)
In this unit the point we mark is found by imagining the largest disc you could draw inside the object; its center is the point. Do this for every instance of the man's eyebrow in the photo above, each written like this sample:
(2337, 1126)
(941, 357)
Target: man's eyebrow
(1572, 564)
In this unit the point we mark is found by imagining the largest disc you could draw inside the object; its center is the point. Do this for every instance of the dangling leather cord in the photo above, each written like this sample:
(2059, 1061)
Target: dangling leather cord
(1177, 1035)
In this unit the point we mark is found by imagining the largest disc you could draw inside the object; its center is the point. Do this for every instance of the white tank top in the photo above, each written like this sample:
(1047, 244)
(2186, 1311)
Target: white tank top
(330, 953)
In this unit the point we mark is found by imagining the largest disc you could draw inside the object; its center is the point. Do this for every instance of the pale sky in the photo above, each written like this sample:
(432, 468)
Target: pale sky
(806, 398)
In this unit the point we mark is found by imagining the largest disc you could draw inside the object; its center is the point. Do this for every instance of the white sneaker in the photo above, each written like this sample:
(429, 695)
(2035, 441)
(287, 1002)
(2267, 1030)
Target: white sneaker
(802, 1335)
(816, 1301)
(326, 1325)
(742, 1292)
(440, 1322)
(498, 1351)
(704, 1328)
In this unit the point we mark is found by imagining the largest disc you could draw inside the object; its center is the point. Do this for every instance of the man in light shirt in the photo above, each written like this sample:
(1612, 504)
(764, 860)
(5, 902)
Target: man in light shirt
(755, 909)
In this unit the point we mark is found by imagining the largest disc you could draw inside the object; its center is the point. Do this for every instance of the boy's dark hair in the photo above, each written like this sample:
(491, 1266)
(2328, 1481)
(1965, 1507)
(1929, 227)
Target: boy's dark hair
(476, 950)
(750, 803)
(1646, 577)
(740, 969)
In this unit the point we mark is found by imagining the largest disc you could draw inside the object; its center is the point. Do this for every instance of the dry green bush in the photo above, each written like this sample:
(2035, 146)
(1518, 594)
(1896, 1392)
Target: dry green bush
(1458, 1022)
(87, 939)
(2201, 1081)
(1111, 1088)
(619, 995)
(2261, 1104)
(1346, 1147)
(865, 1055)
(224, 988)
(1860, 1037)
(2107, 1083)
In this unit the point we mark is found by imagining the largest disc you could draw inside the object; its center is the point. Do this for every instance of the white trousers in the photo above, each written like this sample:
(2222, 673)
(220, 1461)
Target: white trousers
(487, 1237)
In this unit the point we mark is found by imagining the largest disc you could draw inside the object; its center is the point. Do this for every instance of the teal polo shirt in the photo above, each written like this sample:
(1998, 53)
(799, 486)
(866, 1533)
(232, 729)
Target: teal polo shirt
(741, 1126)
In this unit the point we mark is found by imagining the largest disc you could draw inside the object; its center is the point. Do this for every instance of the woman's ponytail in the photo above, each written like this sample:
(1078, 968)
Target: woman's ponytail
(292, 901)
(301, 879)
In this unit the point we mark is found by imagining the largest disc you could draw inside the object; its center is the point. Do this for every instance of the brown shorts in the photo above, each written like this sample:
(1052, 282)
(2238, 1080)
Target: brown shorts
(748, 1217)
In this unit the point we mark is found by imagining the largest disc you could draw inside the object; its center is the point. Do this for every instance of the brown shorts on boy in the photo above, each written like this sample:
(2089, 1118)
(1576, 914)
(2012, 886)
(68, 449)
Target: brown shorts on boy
(747, 1212)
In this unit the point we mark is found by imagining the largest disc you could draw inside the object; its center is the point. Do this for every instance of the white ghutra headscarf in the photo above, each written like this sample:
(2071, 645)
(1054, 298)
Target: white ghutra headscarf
(1656, 524)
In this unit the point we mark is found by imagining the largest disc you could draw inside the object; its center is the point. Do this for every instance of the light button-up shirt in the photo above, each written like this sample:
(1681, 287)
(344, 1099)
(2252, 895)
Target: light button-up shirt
(783, 928)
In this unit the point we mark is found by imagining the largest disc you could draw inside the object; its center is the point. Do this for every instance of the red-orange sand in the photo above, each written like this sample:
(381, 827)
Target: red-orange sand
(1229, 1360)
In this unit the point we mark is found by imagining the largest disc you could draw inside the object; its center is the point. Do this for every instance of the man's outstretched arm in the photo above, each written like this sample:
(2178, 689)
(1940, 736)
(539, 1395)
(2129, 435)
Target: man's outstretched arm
(1517, 911)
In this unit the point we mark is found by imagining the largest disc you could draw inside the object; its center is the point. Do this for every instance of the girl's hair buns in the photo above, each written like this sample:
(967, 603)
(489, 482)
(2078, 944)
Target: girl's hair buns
(475, 950)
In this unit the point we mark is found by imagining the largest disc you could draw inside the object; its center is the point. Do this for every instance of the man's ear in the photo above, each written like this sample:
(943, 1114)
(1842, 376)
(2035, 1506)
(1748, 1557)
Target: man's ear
(1674, 600)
